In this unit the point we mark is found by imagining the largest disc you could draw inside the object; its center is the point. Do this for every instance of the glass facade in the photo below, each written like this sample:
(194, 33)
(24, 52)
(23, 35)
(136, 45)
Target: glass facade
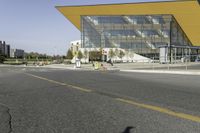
(143, 34)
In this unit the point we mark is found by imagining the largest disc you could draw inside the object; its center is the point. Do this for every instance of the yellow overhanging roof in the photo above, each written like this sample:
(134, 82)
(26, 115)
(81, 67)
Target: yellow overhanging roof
(187, 13)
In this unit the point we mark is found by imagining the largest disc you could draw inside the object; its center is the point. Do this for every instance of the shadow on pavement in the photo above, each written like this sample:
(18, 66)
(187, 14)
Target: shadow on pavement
(128, 129)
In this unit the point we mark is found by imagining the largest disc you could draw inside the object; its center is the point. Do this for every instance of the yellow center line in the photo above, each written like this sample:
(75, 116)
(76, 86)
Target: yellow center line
(60, 83)
(142, 105)
(162, 110)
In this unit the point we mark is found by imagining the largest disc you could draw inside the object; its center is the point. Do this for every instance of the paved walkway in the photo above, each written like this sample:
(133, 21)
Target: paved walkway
(186, 69)
(188, 72)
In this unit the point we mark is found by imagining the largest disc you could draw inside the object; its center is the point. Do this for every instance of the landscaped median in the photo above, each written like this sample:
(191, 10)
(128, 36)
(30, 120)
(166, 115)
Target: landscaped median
(22, 61)
(13, 62)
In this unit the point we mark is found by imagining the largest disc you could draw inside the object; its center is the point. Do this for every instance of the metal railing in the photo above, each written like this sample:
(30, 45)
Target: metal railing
(178, 63)
(188, 62)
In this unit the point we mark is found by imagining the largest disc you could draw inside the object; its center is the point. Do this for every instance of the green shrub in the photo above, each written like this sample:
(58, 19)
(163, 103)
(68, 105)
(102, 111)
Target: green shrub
(2, 58)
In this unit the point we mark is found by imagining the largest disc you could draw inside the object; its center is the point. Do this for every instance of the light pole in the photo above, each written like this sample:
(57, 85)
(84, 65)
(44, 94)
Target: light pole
(102, 45)
(170, 44)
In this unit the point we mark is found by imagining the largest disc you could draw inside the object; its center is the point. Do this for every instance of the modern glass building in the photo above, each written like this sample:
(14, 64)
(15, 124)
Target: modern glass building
(140, 27)
(144, 34)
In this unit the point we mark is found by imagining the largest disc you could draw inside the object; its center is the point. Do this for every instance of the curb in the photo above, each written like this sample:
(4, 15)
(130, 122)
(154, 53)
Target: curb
(163, 72)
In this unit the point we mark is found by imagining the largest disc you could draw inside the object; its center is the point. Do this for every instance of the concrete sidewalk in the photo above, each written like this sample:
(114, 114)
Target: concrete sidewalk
(126, 67)
(141, 69)
(188, 72)
(88, 67)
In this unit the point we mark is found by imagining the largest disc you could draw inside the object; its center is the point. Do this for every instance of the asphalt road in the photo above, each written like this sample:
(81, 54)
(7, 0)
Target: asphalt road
(38, 100)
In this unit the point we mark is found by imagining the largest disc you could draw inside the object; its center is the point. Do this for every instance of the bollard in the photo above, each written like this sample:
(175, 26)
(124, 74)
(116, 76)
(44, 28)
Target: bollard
(186, 67)
(153, 63)
(96, 65)
(168, 64)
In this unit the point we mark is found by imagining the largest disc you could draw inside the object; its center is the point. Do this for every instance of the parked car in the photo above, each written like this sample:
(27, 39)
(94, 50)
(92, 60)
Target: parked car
(197, 60)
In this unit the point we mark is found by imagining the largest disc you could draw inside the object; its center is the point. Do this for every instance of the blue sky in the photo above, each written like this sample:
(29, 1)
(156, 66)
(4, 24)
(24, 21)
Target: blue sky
(35, 25)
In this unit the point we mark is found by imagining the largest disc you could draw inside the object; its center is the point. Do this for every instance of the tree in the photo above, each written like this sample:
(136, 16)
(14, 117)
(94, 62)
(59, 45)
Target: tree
(80, 55)
(95, 55)
(85, 54)
(127, 54)
(69, 54)
(111, 53)
(2, 58)
(117, 52)
(121, 54)
(33, 55)
(92, 55)
(36, 56)
(101, 50)
(64, 57)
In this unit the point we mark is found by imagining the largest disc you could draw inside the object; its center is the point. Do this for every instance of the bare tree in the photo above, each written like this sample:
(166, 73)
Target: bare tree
(121, 54)
(85, 54)
(111, 53)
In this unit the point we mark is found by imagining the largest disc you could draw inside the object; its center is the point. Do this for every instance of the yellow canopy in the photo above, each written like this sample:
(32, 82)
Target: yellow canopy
(187, 13)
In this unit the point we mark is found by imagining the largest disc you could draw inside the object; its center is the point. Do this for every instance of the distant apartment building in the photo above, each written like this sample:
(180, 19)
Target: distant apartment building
(7, 50)
(4, 49)
(17, 53)
(12, 53)
(75, 46)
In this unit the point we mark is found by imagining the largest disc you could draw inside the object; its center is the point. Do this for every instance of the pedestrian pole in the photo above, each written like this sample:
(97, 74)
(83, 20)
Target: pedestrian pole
(153, 63)
(168, 63)
(186, 67)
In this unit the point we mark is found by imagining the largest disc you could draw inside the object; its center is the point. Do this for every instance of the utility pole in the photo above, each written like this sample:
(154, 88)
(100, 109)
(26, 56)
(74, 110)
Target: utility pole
(170, 43)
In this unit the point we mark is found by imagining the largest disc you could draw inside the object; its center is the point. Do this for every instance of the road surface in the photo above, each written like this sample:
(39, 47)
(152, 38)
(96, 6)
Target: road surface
(41, 100)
